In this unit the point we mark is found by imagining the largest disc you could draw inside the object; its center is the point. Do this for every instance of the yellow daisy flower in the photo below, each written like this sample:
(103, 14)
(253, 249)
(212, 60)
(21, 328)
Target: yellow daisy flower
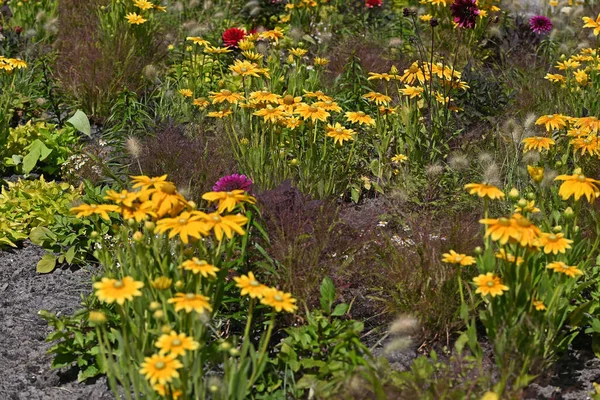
(161, 368)
(490, 284)
(111, 290)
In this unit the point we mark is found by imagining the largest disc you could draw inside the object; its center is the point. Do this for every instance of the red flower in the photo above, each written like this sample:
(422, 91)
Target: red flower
(373, 3)
(465, 13)
(232, 36)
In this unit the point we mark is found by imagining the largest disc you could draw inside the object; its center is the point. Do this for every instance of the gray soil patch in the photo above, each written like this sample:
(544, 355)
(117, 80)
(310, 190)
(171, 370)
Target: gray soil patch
(25, 366)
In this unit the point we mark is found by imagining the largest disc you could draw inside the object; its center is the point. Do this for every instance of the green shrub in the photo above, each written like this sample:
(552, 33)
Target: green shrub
(40, 145)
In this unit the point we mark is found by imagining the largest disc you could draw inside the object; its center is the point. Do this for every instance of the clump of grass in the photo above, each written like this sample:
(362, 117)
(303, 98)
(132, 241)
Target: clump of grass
(194, 161)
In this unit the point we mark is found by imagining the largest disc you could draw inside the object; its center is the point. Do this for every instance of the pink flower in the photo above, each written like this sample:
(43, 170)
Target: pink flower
(540, 24)
(233, 182)
(465, 13)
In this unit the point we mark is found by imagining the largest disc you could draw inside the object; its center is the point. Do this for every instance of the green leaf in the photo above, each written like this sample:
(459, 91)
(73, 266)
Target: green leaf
(80, 122)
(87, 373)
(596, 345)
(46, 264)
(327, 294)
(340, 310)
(70, 255)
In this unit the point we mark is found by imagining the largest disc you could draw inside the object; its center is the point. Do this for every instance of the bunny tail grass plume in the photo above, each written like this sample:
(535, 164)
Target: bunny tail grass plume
(531, 158)
(485, 159)
(404, 325)
(491, 175)
(549, 175)
(135, 150)
(434, 170)
(529, 120)
(458, 162)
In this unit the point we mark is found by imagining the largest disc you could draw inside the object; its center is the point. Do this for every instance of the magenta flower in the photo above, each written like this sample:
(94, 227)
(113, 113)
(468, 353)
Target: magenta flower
(373, 3)
(465, 13)
(233, 182)
(540, 24)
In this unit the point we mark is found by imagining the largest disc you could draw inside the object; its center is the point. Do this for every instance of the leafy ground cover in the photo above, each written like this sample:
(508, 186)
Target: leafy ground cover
(300, 199)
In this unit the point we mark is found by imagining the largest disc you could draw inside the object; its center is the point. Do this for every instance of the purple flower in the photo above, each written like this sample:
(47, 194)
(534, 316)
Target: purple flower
(465, 13)
(540, 24)
(233, 182)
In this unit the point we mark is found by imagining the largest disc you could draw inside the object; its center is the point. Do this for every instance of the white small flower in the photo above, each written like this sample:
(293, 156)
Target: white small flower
(382, 224)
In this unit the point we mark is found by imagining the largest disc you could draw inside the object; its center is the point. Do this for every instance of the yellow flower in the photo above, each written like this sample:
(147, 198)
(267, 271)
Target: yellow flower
(399, 159)
(439, 2)
(270, 114)
(198, 40)
(225, 96)
(485, 190)
(539, 143)
(581, 77)
(313, 112)
(164, 391)
(501, 229)
(125, 198)
(425, 18)
(412, 74)
(161, 283)
(457, 258)
(569, 64)
(489, 284)
(291, 122)
(536, 173)
(339, 133)
(590, 23)
(176, 344)
(378, 98)
(288, 102)
(185, 224)
(559, 266)
(97, 317)
(139, 211)
(228, 200)
(264, 96)
(328, 106)
(161, 368)
(412, 91)
(554, 121)
(225, 224)
(112, 290)
(200, 267)
(578, 185)
(135, 19)
(319, 95)
(554, 243)
(217, 50)
(588, 144)
(524, 206)
(527, 233)
(539, 305)
(556, 78)
(190, 302)
(166, 200)
(143, 4)
(16, 63)
(359, 117)
(245, 68)
(250, 286)
(201, 102)
(86, 210)
(186, 92)
(298, 52)
(503, 255)
(252, 55)
(279, 300)
(273, 35)
(144, 182)
(246, 44)
(219, 114)
(320, 61)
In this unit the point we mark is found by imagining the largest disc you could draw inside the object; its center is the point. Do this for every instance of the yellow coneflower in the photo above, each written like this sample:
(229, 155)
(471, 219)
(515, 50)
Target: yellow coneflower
(412, 74)
(252, 55)
(250, 286)
(216, 50)
(270, 114)
(578, 185)
(225, 224)
(554, 243)
(485, 190)
(291, 122)
(359, 117)
(245, 68)
(186, 92)
(527, 234)
(500, 229)
(85, 210)
(225, 95)
(265, 96)
(319, 95)
(556, 78)
(328, 106)
(201, 267)
(190, 302)
(594, 24)
(201, 102)
(185, 225)
(219, 114)
(339, 133)
(536, 173)
(551, 122)
(588, 144)
(399, 158)
(312, 112)
(135, 19)
(561, 267)
(538, 143)
(273, 35)
(503, 255)
(113, 290)
(298, 52)
(228, 200)
(288, 102)
(412, 91)
(490, 284)
(279, 300)
(161, 369)
(176, 344)
(456, 258)
(378, 98)
(143, 4)
(320, 61)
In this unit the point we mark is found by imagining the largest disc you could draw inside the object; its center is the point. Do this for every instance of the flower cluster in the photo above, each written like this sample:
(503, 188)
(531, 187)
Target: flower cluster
(141, 6)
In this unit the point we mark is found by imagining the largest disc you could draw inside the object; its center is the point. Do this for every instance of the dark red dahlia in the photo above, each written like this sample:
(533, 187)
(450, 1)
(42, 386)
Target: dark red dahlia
(232, 36)
(465, 13)
(373, 3)
(540, 24)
